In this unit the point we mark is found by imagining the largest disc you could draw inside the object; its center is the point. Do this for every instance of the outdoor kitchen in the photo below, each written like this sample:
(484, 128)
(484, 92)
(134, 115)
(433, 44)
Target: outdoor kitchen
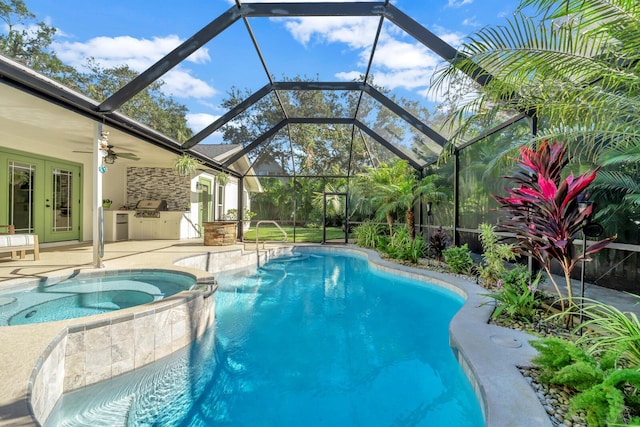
(157, 206)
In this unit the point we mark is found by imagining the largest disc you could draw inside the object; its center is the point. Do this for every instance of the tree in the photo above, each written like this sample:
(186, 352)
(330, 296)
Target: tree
(151, 106)
(29, 41)
(317, 149)
(573, 64)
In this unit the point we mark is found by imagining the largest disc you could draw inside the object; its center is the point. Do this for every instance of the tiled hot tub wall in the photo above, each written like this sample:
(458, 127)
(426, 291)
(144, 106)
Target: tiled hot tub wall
(86, 353)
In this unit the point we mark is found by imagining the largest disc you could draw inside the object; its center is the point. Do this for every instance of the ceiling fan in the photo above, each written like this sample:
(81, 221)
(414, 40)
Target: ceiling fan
(109, 155)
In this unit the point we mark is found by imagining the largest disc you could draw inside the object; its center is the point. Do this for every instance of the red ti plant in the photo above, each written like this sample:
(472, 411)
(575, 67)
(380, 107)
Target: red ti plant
(542, 211)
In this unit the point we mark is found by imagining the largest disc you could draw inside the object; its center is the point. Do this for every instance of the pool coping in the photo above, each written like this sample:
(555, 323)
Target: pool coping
(489, 354)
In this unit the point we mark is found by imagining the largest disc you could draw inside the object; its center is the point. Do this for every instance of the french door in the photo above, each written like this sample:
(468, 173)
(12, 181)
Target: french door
(42, 196)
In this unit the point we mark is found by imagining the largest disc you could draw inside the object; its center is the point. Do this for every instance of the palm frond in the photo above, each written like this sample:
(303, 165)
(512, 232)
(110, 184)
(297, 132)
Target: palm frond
(576, 64)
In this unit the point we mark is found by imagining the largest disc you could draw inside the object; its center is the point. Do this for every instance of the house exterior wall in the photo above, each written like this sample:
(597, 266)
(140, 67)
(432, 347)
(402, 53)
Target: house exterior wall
(126, 185)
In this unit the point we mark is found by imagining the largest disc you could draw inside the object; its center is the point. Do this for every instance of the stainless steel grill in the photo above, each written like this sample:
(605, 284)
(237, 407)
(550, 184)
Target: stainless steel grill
(150, 208)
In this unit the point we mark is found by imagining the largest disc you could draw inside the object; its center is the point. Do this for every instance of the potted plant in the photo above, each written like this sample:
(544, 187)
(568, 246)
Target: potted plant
(106, 203)
(186, 165)
(223, 178)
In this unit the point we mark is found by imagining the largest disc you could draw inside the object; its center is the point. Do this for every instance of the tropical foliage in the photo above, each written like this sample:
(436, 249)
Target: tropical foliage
(542, 210)
(401, 246)
(438, 242)
(571, 63)
(607, 329)
(517, 295)
(368, 234)
(392, 188)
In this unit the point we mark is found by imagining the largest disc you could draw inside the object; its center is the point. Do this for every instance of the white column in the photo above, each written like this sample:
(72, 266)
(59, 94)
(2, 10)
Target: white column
(97, 196)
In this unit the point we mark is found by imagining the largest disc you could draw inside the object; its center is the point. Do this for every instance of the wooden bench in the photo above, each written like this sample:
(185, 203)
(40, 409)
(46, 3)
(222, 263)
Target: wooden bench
(12, 242)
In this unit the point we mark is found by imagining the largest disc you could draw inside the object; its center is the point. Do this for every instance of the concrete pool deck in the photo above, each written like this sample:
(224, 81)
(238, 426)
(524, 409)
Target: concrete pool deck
(488, 353)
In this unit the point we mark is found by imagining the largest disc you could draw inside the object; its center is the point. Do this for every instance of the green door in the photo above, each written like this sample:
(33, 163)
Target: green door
(204, 202)
(41, 196)
(62, 202)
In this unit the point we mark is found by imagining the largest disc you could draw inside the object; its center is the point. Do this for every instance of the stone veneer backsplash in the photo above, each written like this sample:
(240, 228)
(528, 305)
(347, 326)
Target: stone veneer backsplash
(158, 184)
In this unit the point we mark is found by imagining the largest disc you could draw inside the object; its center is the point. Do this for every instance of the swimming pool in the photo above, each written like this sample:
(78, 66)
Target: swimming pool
(316, 339)
(89, 295)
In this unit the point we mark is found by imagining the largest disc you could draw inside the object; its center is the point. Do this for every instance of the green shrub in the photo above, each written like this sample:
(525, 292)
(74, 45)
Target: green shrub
(368, 235)
(519, 275)
(604, 391)
(494, 254)
(517, 295)
(459, 259)
(555, 354)
(401, 246)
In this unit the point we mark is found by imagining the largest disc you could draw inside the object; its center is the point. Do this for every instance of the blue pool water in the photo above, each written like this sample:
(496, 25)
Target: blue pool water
(88, 296)
(312, 340)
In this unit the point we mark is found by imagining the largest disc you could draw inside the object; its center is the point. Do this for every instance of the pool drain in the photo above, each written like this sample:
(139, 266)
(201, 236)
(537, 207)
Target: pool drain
(506, 341)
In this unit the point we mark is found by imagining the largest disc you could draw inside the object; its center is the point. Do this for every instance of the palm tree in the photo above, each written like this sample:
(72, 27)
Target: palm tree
(377, 187)
(572, 63)
(395, 187)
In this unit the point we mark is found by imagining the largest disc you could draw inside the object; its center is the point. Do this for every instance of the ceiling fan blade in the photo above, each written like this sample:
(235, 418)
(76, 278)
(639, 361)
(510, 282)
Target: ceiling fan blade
(129, 156)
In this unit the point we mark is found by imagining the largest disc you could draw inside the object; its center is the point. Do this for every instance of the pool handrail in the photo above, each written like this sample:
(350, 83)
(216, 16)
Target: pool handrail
(264, 242)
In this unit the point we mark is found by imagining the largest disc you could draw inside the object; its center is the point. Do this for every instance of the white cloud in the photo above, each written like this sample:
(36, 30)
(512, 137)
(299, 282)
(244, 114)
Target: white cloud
(458, 3)
(199, 121)
(356, 32)
(396, 55)
(180, 83)
(410, 78)
(400, 61)
(139, 54)
(348, 76)
(471, 22)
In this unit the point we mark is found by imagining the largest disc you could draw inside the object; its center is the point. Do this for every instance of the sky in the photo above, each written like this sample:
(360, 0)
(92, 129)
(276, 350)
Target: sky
(139, 33)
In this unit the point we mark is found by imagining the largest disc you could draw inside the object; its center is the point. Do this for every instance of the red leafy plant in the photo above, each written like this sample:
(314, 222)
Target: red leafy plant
(542, 211)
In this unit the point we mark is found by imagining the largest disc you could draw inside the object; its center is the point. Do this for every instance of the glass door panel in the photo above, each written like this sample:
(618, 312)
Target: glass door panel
(21, 196)
(62, 190)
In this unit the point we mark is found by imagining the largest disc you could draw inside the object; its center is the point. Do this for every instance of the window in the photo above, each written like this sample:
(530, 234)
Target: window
(220, 202)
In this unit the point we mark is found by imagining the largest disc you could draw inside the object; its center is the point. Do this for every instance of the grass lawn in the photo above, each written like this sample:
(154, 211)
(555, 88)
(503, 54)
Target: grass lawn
(303, 234)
